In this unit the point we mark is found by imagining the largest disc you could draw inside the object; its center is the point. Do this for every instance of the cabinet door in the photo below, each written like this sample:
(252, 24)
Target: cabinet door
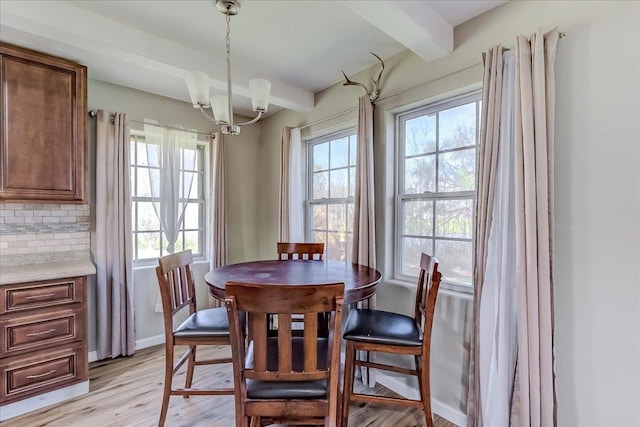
(43, 122)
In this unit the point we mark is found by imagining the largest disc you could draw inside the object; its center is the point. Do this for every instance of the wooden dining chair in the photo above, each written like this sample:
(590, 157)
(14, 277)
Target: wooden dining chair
(201, 327)
(288, 250)
(309, 251)
(286, 378)
(387, 332)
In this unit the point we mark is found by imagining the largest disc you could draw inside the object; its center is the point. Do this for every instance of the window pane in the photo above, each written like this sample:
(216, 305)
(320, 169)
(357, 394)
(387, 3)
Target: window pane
(142, 153)
(337, 218)
(147, 218)
(320, 217)
(457, 171)
(189, 160)
(148, 245)
(150, 183)
(352, 182)
(349, 225)
(195, 192)
(132, 151)
(412, 249)
(320, 185)
(418, 217)
(321, 156)
(188, 179)
(178, 246)
(458, 126)
(455, 261)
(339, 153)
(336, 246)
(454, 218)
(144, 189)
(191, 239)
(420, 135)
(339, 183)
(320, 237)
(353, 140)
(192, 216)
(420, 175)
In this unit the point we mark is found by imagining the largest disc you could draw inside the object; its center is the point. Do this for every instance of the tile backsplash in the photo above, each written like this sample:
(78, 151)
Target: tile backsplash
(34, 228)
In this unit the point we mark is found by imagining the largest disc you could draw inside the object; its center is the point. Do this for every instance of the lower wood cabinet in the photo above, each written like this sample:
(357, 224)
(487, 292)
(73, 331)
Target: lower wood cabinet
(43, 342)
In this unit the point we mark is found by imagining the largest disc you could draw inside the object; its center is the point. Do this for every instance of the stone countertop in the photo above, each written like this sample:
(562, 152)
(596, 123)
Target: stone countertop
(46, 271)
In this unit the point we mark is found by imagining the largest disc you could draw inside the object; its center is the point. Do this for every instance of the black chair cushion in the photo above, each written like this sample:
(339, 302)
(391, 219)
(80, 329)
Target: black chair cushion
(382, 327)
(211, 322)
(317, 389)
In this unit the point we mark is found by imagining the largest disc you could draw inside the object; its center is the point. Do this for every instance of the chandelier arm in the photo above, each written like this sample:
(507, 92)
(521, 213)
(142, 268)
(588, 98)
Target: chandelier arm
(251, 121)
(206, 116)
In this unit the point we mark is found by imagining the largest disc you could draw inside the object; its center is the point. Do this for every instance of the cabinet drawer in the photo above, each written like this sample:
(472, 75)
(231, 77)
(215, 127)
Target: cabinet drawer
(45, 370)
(26, 296)
(52, 327)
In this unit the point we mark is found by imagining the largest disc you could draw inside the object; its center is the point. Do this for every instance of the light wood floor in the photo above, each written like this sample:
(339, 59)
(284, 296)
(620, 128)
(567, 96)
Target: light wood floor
(127, 392)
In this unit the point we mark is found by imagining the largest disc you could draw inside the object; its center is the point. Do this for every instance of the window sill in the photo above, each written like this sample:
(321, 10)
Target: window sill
(445, 288)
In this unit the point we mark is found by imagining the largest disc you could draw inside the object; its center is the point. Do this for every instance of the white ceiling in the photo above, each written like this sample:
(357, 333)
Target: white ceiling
(299, 45)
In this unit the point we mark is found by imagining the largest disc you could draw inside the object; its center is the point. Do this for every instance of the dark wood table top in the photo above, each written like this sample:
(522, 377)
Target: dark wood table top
(360, 281)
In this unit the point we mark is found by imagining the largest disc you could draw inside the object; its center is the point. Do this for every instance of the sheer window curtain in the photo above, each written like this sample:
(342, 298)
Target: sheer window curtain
(364, 226)
(217, 207)
(168, 185)
(511, 379)
(115, 334)
(291, 187)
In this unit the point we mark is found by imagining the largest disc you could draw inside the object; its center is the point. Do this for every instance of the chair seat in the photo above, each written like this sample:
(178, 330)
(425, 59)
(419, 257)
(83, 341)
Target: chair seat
(382, 327)
(288, 389)
(211, 322)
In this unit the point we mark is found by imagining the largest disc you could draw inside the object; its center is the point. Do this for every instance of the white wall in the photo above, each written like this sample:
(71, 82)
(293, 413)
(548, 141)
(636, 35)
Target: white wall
(242, 158)
(597, 296)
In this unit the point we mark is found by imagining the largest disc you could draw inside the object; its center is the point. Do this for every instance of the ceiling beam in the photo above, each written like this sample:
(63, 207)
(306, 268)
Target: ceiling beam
(80, 35)
(413, 23)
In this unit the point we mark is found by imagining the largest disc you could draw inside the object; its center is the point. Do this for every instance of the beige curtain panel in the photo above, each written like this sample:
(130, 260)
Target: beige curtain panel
(114, 257)
(218, 207)
(529, 138)
(285, 161)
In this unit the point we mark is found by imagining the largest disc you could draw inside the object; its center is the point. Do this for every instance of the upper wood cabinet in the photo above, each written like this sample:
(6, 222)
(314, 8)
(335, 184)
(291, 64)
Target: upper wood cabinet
(43, 127)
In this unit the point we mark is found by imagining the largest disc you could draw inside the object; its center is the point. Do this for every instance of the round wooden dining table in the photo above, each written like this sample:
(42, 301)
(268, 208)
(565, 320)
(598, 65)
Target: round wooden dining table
(360, 281)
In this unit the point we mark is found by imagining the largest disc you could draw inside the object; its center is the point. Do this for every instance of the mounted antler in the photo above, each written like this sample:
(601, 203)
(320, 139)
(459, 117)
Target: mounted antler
(373, 95)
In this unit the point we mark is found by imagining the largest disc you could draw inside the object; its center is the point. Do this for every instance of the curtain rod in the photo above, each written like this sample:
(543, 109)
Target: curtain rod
(94, 113)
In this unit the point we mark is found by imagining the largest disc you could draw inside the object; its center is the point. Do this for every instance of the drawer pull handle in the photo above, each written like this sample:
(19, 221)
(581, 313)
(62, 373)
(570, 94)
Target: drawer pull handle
(35, 334)
(40, 296)
(53, 371)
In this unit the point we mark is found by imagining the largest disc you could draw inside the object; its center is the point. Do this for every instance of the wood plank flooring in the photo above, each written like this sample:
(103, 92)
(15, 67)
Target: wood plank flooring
(127, 392)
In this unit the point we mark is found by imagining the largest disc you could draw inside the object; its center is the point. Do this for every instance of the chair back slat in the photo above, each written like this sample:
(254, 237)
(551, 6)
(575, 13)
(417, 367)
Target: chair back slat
(287, 251)
(289, 303)
(177, 289)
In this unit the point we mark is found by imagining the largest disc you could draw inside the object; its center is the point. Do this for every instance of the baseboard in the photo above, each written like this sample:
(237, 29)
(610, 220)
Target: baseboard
(140, 344)
(439, 408)
(149, 342)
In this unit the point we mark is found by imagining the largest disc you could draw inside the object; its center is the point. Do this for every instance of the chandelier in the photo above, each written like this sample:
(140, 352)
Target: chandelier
(221, 105)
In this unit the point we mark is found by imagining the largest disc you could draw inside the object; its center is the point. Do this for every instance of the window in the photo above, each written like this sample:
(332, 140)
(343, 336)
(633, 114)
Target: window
(149, 242)
(332, 171)
(436, 188)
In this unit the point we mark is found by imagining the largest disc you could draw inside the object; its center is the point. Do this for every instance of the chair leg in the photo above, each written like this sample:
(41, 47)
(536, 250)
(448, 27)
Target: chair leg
(168, 383)
(190, 367)
(422, 367)
(349, 362)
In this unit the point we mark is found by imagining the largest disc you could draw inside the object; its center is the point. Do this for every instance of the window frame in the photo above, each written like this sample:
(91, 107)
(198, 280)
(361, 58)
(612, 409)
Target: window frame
(310, 203)
(399, 199)
(201, 174)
